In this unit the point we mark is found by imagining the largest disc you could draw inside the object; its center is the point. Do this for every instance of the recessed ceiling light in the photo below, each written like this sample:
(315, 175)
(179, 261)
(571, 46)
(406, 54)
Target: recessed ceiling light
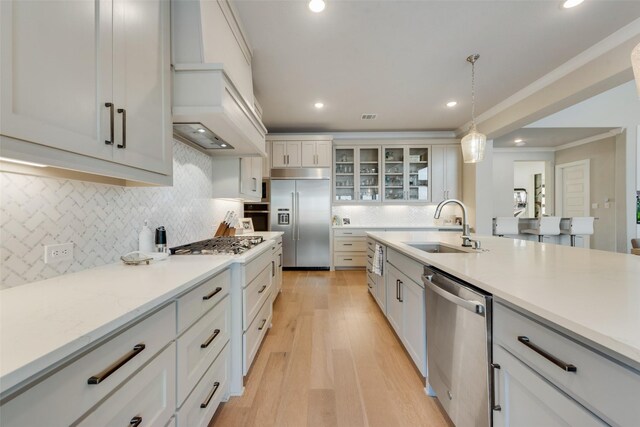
(318, 105)
(571, 3)
(201, 130)
(223, 145)
(318, 5)
(517, 140)
(451, 104)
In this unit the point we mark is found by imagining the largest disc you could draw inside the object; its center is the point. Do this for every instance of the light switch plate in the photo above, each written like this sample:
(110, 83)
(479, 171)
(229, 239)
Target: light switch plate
(607, 205)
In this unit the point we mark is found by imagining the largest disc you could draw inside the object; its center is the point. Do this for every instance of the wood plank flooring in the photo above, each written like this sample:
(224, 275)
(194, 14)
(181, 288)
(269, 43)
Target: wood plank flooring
(330, 359)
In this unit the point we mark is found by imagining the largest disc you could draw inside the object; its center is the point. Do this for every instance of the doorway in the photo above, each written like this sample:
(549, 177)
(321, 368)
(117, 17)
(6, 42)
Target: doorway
(529, 194)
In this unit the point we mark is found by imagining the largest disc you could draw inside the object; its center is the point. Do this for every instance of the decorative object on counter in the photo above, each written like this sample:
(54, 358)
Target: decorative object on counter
(227, 226)
(161, 239)
(474, 142)
(247, 225)
(346, 221)
(136, 258)
(635, 62)
(336, 220)
(219, 246)
(145, 238)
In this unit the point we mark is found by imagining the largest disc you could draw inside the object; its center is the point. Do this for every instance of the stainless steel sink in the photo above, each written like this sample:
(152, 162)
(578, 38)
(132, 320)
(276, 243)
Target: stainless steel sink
(436, 248)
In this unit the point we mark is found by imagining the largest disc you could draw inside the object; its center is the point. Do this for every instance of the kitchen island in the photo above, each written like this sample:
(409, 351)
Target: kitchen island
(583, 305)
(49, 326)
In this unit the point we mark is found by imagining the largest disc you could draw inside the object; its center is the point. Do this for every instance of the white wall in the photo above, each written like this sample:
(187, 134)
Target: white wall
(523, 177)
(103, 221)
(618, 107)
(503, 178)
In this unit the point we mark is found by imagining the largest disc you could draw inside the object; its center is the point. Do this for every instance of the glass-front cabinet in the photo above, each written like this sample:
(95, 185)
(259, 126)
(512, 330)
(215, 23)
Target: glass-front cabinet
(406, 174)
(357, 174)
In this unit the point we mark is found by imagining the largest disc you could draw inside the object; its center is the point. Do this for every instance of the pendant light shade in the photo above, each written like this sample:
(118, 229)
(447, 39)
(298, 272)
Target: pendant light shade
(474, 142)
(473, 146)
(635, 62)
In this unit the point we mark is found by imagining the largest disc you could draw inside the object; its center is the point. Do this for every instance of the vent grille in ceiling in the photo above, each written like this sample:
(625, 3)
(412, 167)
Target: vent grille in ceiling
(369, 116)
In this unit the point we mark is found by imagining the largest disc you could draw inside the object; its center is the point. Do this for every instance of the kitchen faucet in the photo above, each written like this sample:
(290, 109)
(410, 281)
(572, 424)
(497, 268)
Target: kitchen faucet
(466, 239)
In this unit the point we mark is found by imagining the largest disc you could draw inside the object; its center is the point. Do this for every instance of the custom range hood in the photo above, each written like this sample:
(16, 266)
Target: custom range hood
(213, 105)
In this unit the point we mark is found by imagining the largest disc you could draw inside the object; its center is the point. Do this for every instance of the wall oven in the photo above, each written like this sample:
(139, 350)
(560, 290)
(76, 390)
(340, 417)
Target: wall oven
(259, 214)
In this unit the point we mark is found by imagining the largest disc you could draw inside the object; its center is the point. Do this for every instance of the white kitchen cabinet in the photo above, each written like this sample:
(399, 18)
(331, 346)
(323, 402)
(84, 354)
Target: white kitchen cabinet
(357, 174)
(527, 400)
(406, 173)
(394, 304)
(316, 154)
(237, 178)
(276, 267)
(71, 73)
(266, 162)
(446, 166)
(286, 154)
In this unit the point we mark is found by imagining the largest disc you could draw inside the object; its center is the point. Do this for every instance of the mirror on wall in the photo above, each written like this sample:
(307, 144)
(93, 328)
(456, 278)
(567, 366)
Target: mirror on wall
(529, 193)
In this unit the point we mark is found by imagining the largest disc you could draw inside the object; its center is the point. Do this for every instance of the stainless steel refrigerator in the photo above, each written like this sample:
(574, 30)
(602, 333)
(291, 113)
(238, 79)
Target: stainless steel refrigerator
(301, 208)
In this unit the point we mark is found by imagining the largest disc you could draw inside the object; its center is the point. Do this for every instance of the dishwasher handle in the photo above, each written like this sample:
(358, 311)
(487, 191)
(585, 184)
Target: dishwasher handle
(474, 306)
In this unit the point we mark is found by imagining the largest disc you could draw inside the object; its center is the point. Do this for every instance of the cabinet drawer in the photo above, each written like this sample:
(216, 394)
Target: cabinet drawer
(255, 267)
(149, 395)
(47, 403)
(349, 244)
(200, 345)
(350, 232)
(371, 244)
(209, 393)
(412, 269)
(349, 259)
(254, 295)
(253, 337)
(198, 301)
(605, 387)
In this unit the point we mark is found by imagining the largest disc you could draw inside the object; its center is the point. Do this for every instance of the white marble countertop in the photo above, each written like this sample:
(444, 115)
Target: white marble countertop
(594, 294)
(45, 322)
(417, 227)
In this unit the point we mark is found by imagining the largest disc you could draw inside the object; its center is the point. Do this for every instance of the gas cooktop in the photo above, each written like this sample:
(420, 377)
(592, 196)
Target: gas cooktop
(219, 246)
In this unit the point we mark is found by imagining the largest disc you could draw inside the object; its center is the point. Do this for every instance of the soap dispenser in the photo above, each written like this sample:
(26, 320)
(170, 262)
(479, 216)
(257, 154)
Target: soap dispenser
(145, 239)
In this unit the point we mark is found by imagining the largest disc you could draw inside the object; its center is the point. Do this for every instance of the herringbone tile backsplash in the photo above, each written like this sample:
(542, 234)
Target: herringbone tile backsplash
(103, 221)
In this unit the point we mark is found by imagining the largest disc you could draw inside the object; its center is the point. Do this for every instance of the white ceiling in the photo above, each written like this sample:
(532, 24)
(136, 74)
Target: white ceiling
(547, 137)
(405, 59)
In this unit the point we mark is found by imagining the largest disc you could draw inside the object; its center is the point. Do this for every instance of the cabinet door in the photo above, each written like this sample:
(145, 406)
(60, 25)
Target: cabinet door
(394, 174)
(527, 400)
(438, 162)
(394, 305)
(293, 154)
(279, 154)
(453, 166)
(266, 161)
(414, 335)
(381, 293)
(56, 59)
(141, 73)
(323, 154)
(418, 174)
(250, 171)
(309, 154)
(368, 179)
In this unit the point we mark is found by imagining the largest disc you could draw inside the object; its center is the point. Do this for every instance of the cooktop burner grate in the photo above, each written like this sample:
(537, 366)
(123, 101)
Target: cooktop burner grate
(219, 246)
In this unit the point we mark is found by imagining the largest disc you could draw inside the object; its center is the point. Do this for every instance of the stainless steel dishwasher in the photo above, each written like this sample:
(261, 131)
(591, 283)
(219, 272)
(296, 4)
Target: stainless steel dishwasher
(459, 347)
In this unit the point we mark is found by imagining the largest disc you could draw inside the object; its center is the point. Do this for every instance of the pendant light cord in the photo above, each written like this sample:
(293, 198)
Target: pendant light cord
(472, 59)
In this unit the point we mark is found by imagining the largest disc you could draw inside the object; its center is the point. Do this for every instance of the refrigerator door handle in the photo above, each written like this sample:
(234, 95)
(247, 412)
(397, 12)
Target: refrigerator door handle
(297, 211)
(293, 215)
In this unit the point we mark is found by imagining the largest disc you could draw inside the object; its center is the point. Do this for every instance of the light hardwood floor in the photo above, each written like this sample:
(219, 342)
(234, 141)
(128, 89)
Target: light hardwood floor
(330, 359)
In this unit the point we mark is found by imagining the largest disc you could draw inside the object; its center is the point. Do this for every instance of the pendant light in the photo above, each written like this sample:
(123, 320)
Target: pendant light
(474, 142)
(635, 62)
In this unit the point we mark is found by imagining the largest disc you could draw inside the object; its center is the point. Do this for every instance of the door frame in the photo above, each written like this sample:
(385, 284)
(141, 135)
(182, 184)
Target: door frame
(559, 184)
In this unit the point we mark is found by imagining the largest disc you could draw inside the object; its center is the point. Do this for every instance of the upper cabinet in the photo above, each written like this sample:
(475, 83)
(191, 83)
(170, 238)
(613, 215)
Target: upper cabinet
(446, 169)
(84, 82)
(237, 178)
(357, 174)
(296, 151)
(406, 174)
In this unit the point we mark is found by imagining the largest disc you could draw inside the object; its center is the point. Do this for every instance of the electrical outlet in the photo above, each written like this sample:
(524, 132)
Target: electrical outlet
(58, 253)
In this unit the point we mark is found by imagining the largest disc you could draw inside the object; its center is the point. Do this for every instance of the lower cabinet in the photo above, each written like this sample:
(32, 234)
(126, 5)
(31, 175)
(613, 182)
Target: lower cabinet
(406, 314)
(146, 399)
(276, 267)
(527, 400)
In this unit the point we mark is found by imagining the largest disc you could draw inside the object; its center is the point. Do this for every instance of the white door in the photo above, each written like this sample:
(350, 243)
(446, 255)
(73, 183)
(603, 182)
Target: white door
(293, 154)
(56, 74)
(142, 84)
(453, 160)
(527, 400)
(573, 193)
(323, 154)
(278, 154)
(438, 156)
(413, 323)
(394, 305)
(308, 154)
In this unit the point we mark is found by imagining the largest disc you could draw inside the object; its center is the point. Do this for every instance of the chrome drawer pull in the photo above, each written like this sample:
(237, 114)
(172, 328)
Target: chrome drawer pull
(262, 289)
(97, 379)
(135, 421)
(124, 128)
(559, 363)
(210, 396)
(210, 339)
(347, 244)
(109, 105)
(262, 325)
(494, 406)
(212, 294)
